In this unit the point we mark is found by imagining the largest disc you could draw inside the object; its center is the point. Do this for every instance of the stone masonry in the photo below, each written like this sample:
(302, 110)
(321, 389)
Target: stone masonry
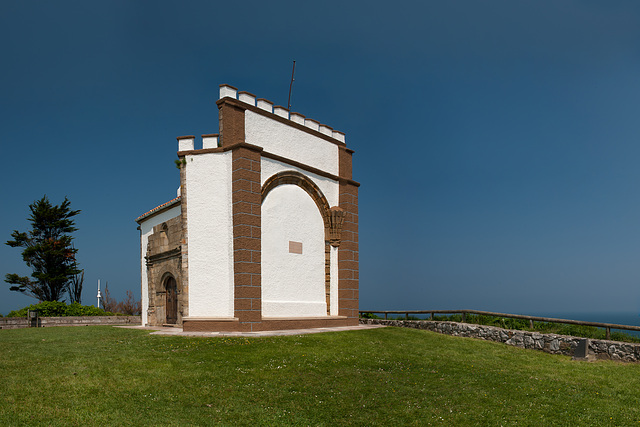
(23, 322)
(550, 343)
(164, 259)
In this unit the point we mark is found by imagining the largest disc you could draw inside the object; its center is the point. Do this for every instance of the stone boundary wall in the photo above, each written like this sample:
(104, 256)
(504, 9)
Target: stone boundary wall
(23, 322)
(550, 343)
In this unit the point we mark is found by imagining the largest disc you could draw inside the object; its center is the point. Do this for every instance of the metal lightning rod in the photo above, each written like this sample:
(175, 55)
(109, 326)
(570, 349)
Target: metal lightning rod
(291, 85)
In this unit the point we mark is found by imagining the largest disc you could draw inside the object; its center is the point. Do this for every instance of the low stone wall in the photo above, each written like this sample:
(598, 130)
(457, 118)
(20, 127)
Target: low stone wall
(551, 343)
(23, 322)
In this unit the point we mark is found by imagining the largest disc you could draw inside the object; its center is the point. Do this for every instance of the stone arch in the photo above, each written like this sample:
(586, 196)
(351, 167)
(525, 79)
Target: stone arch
(332, 217)
(166, 274)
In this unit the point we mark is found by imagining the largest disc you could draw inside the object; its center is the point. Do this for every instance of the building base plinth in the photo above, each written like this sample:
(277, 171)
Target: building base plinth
(266, 324)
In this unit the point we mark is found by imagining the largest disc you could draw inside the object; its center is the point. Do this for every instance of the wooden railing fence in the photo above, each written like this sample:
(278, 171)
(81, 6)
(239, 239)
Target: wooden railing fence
(531, 319)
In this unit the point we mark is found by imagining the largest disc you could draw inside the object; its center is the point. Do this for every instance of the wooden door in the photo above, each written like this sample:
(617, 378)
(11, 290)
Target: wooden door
(172, 301)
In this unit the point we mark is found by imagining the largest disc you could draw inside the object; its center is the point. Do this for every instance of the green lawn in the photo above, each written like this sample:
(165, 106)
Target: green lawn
(113, 376)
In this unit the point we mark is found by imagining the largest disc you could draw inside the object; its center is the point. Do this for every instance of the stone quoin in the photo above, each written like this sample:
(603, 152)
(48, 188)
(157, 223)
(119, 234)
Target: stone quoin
(263, 233)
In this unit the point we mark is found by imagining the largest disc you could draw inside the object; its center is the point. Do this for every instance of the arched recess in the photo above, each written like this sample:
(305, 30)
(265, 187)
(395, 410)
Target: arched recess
(332, 218)
(170, 286)
(163, 237)
(296, 178)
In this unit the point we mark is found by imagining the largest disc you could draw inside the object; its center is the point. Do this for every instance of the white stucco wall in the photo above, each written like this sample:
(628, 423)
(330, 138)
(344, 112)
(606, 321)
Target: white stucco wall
(333, 288)
(293, 285)
(329, 187)
(286, 141)
(210, 231)
(331, 190)
(146, 229)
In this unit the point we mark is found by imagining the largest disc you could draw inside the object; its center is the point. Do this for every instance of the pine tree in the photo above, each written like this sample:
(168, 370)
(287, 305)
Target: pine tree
(48, 250)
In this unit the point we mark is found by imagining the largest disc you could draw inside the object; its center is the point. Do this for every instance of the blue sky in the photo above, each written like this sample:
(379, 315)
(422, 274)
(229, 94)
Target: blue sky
(496, 142)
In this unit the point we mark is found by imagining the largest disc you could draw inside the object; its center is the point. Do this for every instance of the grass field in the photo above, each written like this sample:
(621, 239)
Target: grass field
(113, 376)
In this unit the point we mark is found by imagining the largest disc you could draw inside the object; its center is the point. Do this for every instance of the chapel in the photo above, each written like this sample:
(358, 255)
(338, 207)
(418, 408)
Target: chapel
(263, 233)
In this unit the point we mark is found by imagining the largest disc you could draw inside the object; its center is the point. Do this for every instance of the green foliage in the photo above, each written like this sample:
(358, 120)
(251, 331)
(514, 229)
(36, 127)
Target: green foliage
(621, 336)
(76, 309)
(369, 316)
(60, 309)
(47, 250)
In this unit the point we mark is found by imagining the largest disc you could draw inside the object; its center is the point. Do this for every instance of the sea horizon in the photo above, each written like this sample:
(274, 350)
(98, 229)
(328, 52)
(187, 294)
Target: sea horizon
(617, 318)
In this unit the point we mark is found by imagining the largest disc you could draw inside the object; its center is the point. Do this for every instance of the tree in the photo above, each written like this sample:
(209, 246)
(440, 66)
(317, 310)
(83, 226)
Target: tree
(129, 306)
(75, 286)
(108, 303)
(48, 250)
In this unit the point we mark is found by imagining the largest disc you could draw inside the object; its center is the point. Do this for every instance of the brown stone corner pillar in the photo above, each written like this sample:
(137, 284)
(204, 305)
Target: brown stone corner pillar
(348, 273)
(246, 200)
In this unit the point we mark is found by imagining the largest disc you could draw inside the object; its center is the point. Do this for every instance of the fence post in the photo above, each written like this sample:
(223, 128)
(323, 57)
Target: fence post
(431, 315)
(406, 316)
(608, 333)
(530, 324)
(464, 317)
(385, 315)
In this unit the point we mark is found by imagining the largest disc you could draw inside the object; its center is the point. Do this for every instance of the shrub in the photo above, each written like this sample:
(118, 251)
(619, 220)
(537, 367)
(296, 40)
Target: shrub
(369, 316)
(60, 309)
(75, 309)
(52, 308)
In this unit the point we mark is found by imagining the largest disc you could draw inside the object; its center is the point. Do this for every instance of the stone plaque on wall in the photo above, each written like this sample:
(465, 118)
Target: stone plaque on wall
(295, 247)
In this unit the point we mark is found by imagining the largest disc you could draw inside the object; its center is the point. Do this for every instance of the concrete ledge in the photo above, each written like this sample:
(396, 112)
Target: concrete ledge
(305, 323)
(159, 330)
(23, 322)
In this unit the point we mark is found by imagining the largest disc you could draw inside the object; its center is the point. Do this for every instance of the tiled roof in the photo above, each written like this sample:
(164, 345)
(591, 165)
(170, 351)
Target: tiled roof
(158, 208)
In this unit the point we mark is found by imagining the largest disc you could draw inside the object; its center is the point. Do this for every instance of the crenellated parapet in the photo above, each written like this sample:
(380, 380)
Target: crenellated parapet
(187, 143)
(228, 91)
(266, 107)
